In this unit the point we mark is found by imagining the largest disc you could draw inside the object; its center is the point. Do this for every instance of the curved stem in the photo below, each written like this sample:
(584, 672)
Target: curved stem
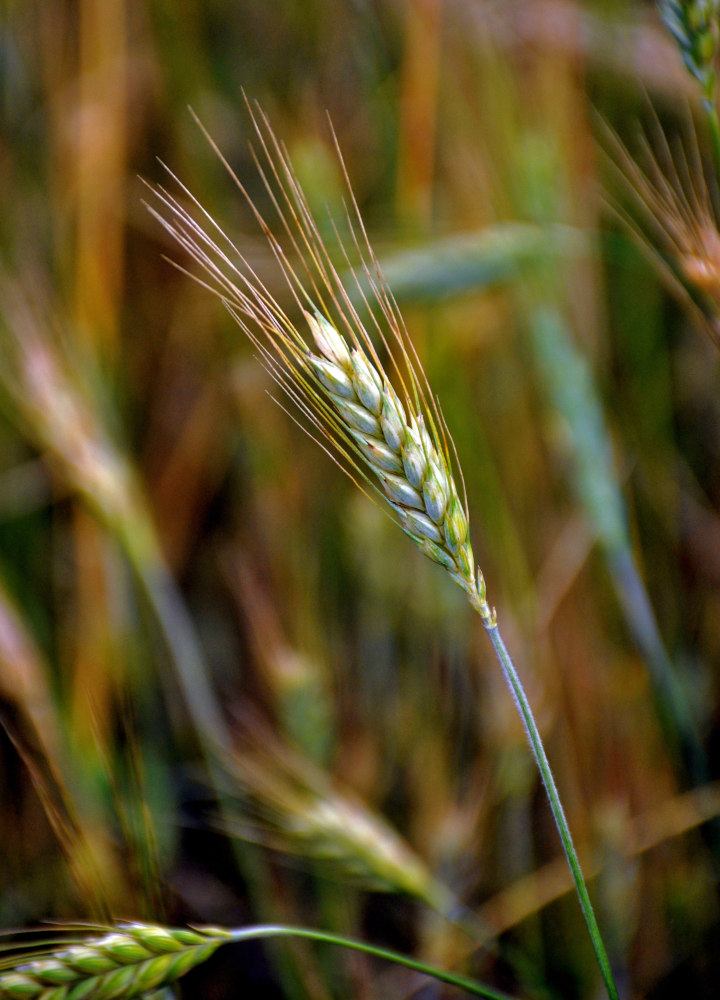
(282, 930)
(533, 734)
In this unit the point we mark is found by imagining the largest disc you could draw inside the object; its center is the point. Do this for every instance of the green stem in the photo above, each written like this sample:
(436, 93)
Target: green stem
(523, 705)
(281, 930)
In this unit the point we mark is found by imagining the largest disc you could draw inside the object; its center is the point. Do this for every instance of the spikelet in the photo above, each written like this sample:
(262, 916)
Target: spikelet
(131, 960)
(386, 432)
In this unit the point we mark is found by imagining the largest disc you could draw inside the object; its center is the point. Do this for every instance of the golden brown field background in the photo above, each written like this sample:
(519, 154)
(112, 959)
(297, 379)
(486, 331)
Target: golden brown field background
(169, 536)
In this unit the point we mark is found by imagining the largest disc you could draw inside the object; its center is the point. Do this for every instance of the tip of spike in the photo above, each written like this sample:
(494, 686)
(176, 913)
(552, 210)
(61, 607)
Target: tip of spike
(329, 342)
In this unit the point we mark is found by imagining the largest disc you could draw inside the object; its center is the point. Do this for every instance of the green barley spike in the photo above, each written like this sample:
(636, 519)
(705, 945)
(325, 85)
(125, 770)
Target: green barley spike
(131, 960)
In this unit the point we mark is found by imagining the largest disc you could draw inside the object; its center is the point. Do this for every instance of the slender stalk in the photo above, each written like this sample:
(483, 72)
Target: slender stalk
(281, 930)
(134, 960)
(536, 745)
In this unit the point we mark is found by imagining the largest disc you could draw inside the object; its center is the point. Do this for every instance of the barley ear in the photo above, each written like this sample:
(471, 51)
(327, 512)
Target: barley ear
(132, 960)
(390, 438)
